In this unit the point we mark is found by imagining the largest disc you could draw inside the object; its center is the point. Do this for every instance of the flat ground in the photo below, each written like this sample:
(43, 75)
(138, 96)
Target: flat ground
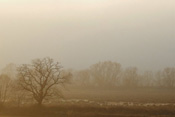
(146, 95)
(89, 111)
(95, 102)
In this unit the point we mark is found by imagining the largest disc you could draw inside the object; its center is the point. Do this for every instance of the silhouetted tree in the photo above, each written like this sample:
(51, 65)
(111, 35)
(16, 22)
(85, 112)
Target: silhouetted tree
(41, 78)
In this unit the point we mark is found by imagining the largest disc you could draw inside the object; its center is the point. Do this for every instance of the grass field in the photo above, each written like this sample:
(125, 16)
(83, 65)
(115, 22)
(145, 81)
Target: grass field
(89, 111)
(145, 95)
(95, 102)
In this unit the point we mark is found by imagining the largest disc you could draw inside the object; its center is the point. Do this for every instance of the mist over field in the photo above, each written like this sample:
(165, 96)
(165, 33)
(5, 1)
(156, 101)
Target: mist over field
(87, 58)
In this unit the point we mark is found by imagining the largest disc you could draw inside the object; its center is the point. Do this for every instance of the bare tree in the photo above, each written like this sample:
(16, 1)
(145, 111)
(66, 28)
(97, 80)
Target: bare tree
(83, 78)
(106, 73)
(159, 79)
(5, 82)
(41, 78)
(168, 75)
(18, 94)
(147, 79)
(130, 77)
(10, 70)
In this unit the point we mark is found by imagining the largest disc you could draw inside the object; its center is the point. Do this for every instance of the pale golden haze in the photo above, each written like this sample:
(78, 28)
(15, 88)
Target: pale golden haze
(79, 33)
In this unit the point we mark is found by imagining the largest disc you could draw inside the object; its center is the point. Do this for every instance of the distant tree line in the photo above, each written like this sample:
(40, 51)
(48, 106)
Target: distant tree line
(42, 80)
(111, 74)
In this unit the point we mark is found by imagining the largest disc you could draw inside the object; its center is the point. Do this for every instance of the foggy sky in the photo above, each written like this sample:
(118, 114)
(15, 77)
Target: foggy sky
(79, 33)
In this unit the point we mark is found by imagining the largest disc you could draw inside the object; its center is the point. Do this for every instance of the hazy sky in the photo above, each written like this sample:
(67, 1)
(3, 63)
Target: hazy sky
(79, 33)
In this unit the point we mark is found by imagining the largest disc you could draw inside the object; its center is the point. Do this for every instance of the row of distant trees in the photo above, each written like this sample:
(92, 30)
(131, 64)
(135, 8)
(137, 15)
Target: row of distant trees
(111, 74)
(42, 78)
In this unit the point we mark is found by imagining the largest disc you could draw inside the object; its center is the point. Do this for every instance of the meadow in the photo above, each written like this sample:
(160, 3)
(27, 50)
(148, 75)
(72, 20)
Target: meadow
(103, 102)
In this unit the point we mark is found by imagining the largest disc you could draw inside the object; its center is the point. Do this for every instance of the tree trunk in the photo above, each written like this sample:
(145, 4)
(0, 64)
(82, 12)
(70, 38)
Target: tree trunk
(40, 102)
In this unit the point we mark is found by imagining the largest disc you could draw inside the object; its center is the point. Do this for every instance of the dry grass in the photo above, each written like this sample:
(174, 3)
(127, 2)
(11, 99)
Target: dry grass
(102, 95)
(144, 95)
(80, 110)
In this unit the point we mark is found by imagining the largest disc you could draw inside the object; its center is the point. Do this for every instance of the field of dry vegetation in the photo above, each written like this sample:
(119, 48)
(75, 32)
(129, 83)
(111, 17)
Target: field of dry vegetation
(105, 102)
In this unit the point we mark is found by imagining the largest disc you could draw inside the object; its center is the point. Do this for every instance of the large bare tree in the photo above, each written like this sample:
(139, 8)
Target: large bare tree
(41, 77)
